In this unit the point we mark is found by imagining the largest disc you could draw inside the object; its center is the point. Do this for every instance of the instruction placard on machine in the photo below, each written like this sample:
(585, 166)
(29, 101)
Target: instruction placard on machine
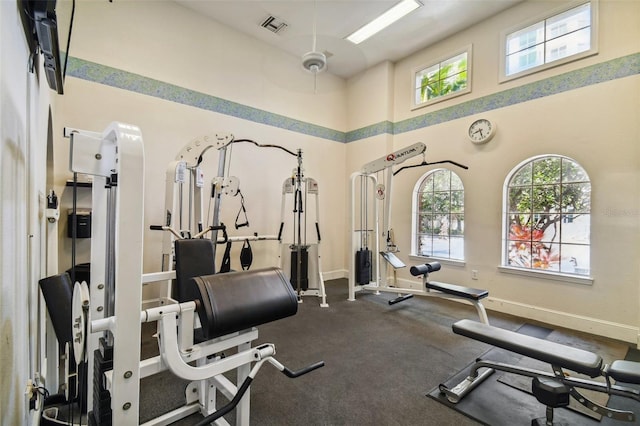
(392, 259)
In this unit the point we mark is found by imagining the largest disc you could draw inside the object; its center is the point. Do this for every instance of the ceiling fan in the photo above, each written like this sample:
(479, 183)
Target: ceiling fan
(329, 53)
(315, 62)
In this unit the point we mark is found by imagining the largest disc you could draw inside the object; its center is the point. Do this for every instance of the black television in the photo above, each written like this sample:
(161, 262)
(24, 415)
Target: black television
(47, 25)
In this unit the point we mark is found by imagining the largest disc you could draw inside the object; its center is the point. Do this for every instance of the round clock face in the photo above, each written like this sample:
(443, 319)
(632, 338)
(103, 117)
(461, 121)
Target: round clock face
(481, 130)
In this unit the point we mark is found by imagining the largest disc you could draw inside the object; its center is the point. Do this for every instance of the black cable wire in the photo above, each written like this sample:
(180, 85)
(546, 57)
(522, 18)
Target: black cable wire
(74, 238)
(74, 223)
(266, 146)
(66, 58)
(424, 163)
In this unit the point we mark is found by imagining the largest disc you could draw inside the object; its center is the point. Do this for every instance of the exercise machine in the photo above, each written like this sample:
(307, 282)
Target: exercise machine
(551, 389)
(298, 253)
(107, 315)
(186, 208)
(372, 260)
(186, 212)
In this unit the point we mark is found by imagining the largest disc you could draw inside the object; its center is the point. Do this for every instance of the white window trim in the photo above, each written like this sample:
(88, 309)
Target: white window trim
(538, 273)
(502, 77)
(469, 50)
(442, 260)
(413, 255)
(554, 276)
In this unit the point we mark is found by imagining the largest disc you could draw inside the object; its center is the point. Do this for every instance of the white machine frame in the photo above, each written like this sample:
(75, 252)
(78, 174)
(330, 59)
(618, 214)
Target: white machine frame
(186, 169)
(113, 306)
(307, 187)
(380, 269)
(116, 292)
(368, 173)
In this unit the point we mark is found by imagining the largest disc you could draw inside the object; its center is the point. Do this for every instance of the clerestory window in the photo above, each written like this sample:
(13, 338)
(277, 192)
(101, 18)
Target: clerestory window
(442, 79)
(540, 44)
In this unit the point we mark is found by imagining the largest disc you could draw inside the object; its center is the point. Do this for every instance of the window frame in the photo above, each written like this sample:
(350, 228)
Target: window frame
(532, 272)
(593, 50)
(466, 49)
(414, 253)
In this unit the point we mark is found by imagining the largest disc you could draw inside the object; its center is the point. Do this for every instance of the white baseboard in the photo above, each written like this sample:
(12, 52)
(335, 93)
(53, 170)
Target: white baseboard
(623, 332)
(585, 324)
(334, 275)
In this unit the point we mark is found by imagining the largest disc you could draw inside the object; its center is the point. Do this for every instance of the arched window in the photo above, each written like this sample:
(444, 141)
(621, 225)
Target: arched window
(547, 220)
(438, 215)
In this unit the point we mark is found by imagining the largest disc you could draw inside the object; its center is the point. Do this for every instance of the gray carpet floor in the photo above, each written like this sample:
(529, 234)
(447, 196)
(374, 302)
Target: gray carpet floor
(381, 361)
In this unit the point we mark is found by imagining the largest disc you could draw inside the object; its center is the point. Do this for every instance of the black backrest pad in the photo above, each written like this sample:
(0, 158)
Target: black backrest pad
(577, 360)
(58, 296)
(239, 300)
(194, 257)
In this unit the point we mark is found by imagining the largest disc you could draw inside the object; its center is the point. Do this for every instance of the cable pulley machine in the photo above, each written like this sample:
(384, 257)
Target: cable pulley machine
(303, 261)
(367, 272)
(365, 220)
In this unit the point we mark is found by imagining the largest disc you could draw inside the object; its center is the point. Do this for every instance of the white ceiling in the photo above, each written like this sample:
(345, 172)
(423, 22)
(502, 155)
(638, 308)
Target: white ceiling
(335, 19)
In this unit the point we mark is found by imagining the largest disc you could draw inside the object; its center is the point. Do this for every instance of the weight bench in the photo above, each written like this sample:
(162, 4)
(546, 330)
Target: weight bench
(551, 389)
(452, 291)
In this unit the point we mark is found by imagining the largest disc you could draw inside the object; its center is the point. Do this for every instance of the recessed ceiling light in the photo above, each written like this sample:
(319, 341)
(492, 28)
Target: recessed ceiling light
(381, 22)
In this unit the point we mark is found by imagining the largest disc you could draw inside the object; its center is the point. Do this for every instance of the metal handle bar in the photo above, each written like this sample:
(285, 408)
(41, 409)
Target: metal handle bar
(200, 234)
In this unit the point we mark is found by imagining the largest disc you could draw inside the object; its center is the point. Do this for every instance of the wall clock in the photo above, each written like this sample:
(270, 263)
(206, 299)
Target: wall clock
(481, 131)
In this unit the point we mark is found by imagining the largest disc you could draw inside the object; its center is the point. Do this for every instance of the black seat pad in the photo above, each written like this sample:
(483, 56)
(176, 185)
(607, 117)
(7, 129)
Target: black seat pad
(458, 290)
(577, 360)
(625, 371)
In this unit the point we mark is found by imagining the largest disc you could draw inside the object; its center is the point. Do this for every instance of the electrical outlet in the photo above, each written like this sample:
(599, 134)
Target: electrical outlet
(474, 274)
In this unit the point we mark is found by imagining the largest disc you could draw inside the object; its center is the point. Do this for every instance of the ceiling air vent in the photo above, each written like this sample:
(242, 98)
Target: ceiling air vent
(273, 24)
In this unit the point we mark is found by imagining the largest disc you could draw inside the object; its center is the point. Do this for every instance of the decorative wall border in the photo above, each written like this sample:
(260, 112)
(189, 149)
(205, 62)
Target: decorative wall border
(599, 73)
(120, 79)
(606, 71)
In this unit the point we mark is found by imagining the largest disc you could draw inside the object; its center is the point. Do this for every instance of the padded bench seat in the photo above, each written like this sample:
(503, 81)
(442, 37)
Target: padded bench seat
(458, 290)
(577, 360)
(625, 371)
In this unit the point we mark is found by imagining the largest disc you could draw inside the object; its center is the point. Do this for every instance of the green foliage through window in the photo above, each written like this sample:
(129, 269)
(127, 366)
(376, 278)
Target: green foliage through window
(439, 215)
(548, 216)
(444, 78)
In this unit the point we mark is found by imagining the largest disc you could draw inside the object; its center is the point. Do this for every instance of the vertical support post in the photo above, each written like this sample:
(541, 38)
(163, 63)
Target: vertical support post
(97, 291)
(128, 243)
(222, 160)
(118, 153)
(243, 408)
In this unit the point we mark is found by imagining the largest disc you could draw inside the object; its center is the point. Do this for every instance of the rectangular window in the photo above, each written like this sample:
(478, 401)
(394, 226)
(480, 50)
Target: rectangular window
(557, 39)
(442, 79)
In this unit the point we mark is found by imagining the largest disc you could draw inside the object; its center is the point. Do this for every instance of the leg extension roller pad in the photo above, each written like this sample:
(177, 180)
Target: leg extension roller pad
(235, 301)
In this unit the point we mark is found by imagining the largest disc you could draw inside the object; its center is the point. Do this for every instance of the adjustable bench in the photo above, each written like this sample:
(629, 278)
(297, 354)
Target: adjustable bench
(552, 389)
(452, 291)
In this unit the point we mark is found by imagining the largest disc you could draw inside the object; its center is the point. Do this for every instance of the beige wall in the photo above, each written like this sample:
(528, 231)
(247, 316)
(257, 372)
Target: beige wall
(595, 125)
(198, 54)
(618, 36)
(550, 125)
